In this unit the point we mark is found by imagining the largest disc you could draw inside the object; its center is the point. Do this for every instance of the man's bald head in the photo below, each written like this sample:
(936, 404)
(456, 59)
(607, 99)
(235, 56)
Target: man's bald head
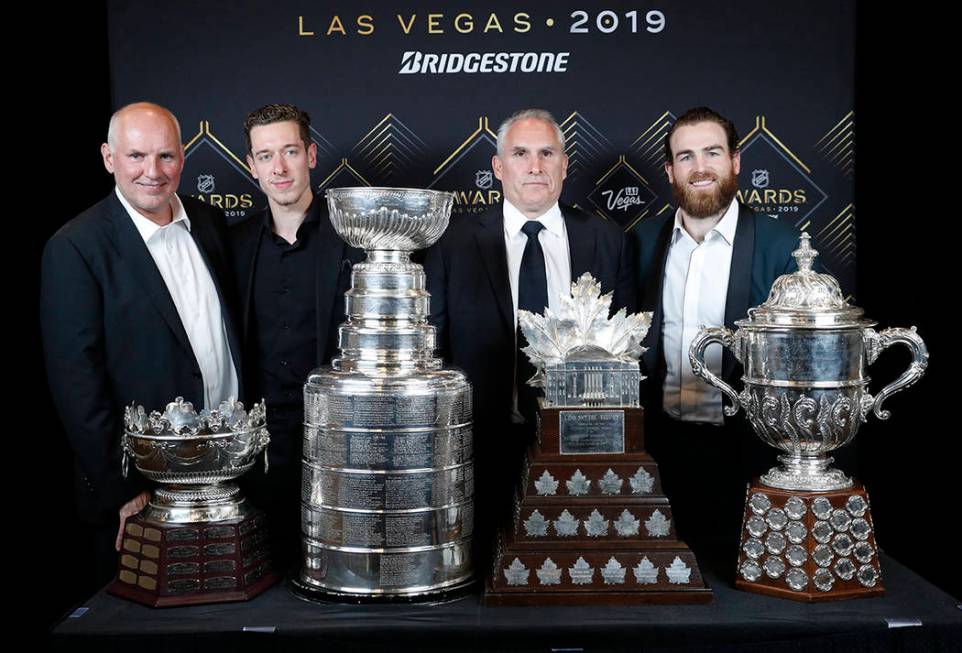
(138, 108)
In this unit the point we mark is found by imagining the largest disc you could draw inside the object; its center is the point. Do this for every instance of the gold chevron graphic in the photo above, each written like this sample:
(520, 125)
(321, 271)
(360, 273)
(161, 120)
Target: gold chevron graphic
(482, 128)
(344, 165)
(203, 131)
(761, 127)
(838, 236)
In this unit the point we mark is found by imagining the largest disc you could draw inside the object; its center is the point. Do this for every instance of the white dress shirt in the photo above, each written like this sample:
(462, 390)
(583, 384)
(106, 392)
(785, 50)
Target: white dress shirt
(192, 289)
(557, 263)
(696, 286)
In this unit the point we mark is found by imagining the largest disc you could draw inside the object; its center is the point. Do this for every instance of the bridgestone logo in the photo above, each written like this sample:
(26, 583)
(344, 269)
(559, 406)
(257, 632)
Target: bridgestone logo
(429, 63)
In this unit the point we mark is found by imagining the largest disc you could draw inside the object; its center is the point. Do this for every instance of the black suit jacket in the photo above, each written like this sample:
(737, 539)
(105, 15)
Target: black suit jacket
(471, 303)
(112, 336)
(761, 252)
(334, 263)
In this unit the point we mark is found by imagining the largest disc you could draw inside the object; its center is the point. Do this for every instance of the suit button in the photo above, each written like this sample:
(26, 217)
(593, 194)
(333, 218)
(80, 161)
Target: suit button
(197, 375)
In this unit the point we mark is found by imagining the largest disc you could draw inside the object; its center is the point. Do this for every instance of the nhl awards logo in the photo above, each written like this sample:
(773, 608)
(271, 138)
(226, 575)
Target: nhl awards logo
(467, 172)
(209, 161)
(205, 184)
(781, 184)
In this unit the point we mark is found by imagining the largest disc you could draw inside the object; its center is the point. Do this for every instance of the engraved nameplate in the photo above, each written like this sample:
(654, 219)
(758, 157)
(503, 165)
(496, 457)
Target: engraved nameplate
(592, 431)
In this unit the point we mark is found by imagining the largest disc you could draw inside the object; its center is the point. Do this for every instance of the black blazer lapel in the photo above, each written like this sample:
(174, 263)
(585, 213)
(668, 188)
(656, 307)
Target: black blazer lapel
(655, 288)
(739, 280)
(132, 250)
(581, 244)
(490, 237)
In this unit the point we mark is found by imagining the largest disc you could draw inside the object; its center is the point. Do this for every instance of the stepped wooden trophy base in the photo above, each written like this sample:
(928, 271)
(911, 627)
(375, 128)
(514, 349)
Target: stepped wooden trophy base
(591, 523)
(164, 565)
(808, 546)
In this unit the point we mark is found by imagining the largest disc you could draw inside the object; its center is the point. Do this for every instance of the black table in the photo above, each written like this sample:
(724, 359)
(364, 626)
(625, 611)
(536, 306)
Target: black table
(912, 616)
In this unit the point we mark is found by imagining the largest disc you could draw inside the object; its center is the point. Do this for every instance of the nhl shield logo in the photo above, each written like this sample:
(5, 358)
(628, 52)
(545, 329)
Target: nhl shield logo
(483, 179)
(760, 178)
(205, 183)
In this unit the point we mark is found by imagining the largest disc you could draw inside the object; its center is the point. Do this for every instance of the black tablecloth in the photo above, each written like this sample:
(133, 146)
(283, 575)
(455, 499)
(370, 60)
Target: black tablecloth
(912, 616)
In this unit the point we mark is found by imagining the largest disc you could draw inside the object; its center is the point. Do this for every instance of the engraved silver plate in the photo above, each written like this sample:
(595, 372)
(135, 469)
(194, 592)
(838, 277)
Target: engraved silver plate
(796, 532)
(860, 528)
(516, 573)
(796, 579)
(566, 525)
(657, 525)
(775, 542)
(642, 482)
(760, 503)
(756, 526)
(776, 519)
(864, 552)
(627, 525)
(750, 571)
(613, 573)
(844, 568)
(773, 566)
(596, 525)
(549, 573)
(678, 572)
(536, 525)
(822, 531)
(840, 520)
(645, 572)
(822, 555)
(578, 484)
(795, 508)
(796, 555)
(868, 576)
(822, 507)
(546, 485)
(856, 505)
(824, 580)
(610, 483)
(754, 548)
(591, 431)
(581, 573)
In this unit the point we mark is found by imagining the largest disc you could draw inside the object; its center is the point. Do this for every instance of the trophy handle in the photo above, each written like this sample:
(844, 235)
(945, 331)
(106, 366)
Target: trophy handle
(696, 356)
(876, 342)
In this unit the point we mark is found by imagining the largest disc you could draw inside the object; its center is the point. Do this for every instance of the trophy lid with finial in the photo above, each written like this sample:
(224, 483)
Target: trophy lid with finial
(805, 298)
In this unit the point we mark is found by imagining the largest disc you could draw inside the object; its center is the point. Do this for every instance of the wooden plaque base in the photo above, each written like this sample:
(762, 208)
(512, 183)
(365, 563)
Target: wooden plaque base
(808, 546)
(164, 565)
(592, 528)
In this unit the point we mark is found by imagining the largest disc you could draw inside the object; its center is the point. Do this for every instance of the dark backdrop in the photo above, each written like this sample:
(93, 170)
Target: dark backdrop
(904, 273)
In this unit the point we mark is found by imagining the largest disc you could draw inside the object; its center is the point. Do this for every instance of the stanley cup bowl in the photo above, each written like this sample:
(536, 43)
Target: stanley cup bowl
(398, 219)
(805, 353)
(194, 456)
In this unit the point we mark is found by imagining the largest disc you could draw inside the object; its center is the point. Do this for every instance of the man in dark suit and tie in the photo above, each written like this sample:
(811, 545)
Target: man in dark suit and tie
(136, 306)
(292, 270)
(705, 264)
(523, 254)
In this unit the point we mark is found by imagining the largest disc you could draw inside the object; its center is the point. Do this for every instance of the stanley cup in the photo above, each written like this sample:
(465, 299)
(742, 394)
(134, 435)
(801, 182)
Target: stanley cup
(388, 484)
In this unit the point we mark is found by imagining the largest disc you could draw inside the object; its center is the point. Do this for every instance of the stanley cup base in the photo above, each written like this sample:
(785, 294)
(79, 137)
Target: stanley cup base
(808, 546)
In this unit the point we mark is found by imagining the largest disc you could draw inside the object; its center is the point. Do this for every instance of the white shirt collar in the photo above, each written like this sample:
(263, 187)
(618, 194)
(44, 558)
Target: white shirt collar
(725, 227)
(514, 219)
(147, 228)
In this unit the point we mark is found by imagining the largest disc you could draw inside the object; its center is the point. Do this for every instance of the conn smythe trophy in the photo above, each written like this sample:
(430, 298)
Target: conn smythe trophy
(388, 483)
(198, 540)
(591, 522)
(807, 532)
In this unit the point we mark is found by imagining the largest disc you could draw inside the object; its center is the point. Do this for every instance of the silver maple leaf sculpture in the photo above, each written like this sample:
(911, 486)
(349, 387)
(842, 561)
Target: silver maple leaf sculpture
(582, 321)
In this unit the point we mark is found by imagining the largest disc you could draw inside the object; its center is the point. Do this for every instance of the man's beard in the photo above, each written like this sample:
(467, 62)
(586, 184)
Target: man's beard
(701, 203)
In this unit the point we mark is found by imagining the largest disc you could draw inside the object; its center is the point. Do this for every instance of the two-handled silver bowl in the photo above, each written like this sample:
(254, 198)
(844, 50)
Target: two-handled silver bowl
(194, 456)
(806, 391)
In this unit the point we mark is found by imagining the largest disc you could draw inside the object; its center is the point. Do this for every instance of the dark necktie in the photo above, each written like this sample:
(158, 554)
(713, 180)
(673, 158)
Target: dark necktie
(533, 297)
